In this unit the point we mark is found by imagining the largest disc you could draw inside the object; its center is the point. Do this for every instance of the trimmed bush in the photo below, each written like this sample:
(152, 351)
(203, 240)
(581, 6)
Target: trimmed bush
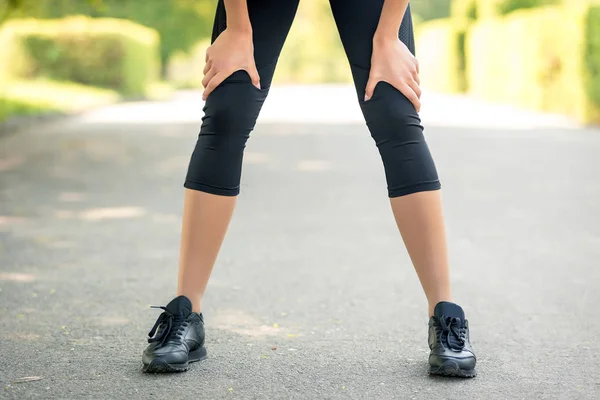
(180, 23)
(109, 53)
(441, 53)
(545, 59)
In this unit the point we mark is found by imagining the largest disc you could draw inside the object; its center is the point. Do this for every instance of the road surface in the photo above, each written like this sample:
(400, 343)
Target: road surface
(313, 296)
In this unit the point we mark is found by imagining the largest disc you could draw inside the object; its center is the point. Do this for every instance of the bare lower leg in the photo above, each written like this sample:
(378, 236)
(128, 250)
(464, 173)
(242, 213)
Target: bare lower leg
(420, 220)
(206, 218)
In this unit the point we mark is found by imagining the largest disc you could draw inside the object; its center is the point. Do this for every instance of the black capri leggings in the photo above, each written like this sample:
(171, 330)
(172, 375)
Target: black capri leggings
(231, 110)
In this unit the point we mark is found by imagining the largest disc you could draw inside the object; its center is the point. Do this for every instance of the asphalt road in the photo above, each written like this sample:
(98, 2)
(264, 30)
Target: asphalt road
(313, 296)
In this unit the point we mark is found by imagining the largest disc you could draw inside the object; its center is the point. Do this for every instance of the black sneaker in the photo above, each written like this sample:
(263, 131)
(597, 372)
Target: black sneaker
(451, 353)
(176, 339)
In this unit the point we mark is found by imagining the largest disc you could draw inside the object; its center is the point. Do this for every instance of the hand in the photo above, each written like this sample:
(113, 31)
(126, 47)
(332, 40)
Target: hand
(232, 51)
(393, 63)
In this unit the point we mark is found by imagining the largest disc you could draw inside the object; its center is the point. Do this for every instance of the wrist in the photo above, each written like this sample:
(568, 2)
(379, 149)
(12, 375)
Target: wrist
(385, 36)
(240, 28)
(239, 22)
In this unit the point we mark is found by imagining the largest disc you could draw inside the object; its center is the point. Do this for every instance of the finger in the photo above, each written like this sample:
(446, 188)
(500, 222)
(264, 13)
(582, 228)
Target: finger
(206, 56)
(371, 83)
(415, 71)
(253, 72)
(208, 76)
(214, 82)
(416, 77)
(410, 95)
(414, 85)
(207, 67)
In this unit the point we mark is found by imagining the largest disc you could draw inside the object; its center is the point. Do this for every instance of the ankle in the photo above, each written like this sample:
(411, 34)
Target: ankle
(197, 307)
(195, 298)
(434, 302)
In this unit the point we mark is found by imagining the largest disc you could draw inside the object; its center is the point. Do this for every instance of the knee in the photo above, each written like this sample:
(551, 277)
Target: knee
(232, 108)
(230, 114)
(391, 117)
(397, 131)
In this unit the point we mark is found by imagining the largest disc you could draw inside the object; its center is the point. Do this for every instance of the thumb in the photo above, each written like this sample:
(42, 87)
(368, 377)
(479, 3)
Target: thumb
(371, 83)
(254, 76)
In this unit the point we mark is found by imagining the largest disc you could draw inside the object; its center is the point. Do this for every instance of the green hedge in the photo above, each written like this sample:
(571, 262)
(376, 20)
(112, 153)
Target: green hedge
(546, 59)
(441, 52)
(108, 53)
(180, 23)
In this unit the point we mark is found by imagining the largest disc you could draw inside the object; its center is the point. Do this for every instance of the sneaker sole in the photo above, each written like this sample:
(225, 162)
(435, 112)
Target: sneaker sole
(158, 365)
(451, 368)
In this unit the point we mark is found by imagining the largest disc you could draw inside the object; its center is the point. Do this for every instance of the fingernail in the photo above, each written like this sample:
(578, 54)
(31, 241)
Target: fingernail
(367, 98)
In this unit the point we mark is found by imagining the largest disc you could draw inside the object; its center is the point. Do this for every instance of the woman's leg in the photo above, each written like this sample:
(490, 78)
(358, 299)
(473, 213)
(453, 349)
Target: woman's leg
(212, 184)
(413, 184)
(213, 178)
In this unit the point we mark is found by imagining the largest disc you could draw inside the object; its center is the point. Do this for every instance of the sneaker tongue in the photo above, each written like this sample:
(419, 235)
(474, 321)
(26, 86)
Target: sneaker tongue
(180, 305)
(447, 309)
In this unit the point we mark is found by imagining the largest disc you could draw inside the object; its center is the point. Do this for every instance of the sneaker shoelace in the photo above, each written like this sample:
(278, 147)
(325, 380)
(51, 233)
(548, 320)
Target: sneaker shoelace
(172, 325)
(453, 331)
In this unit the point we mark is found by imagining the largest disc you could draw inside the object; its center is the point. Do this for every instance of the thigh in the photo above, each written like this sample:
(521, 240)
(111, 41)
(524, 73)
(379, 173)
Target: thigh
(271, 21)
(357, 21)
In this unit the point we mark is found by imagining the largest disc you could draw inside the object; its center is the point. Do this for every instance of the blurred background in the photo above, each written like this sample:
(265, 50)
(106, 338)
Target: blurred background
(67, 55)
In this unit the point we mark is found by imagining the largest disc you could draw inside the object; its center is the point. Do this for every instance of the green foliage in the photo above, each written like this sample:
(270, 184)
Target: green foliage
(11, 108)
(537, 59)
(86, 59)
(109, 53)
(464, 10)
(460, 33)
(431, 9)
(592, 54)
(507, 6)
(180, 23)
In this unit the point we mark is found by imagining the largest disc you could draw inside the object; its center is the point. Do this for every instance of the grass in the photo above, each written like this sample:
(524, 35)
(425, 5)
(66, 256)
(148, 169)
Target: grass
(44, 95)
(22, 98)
